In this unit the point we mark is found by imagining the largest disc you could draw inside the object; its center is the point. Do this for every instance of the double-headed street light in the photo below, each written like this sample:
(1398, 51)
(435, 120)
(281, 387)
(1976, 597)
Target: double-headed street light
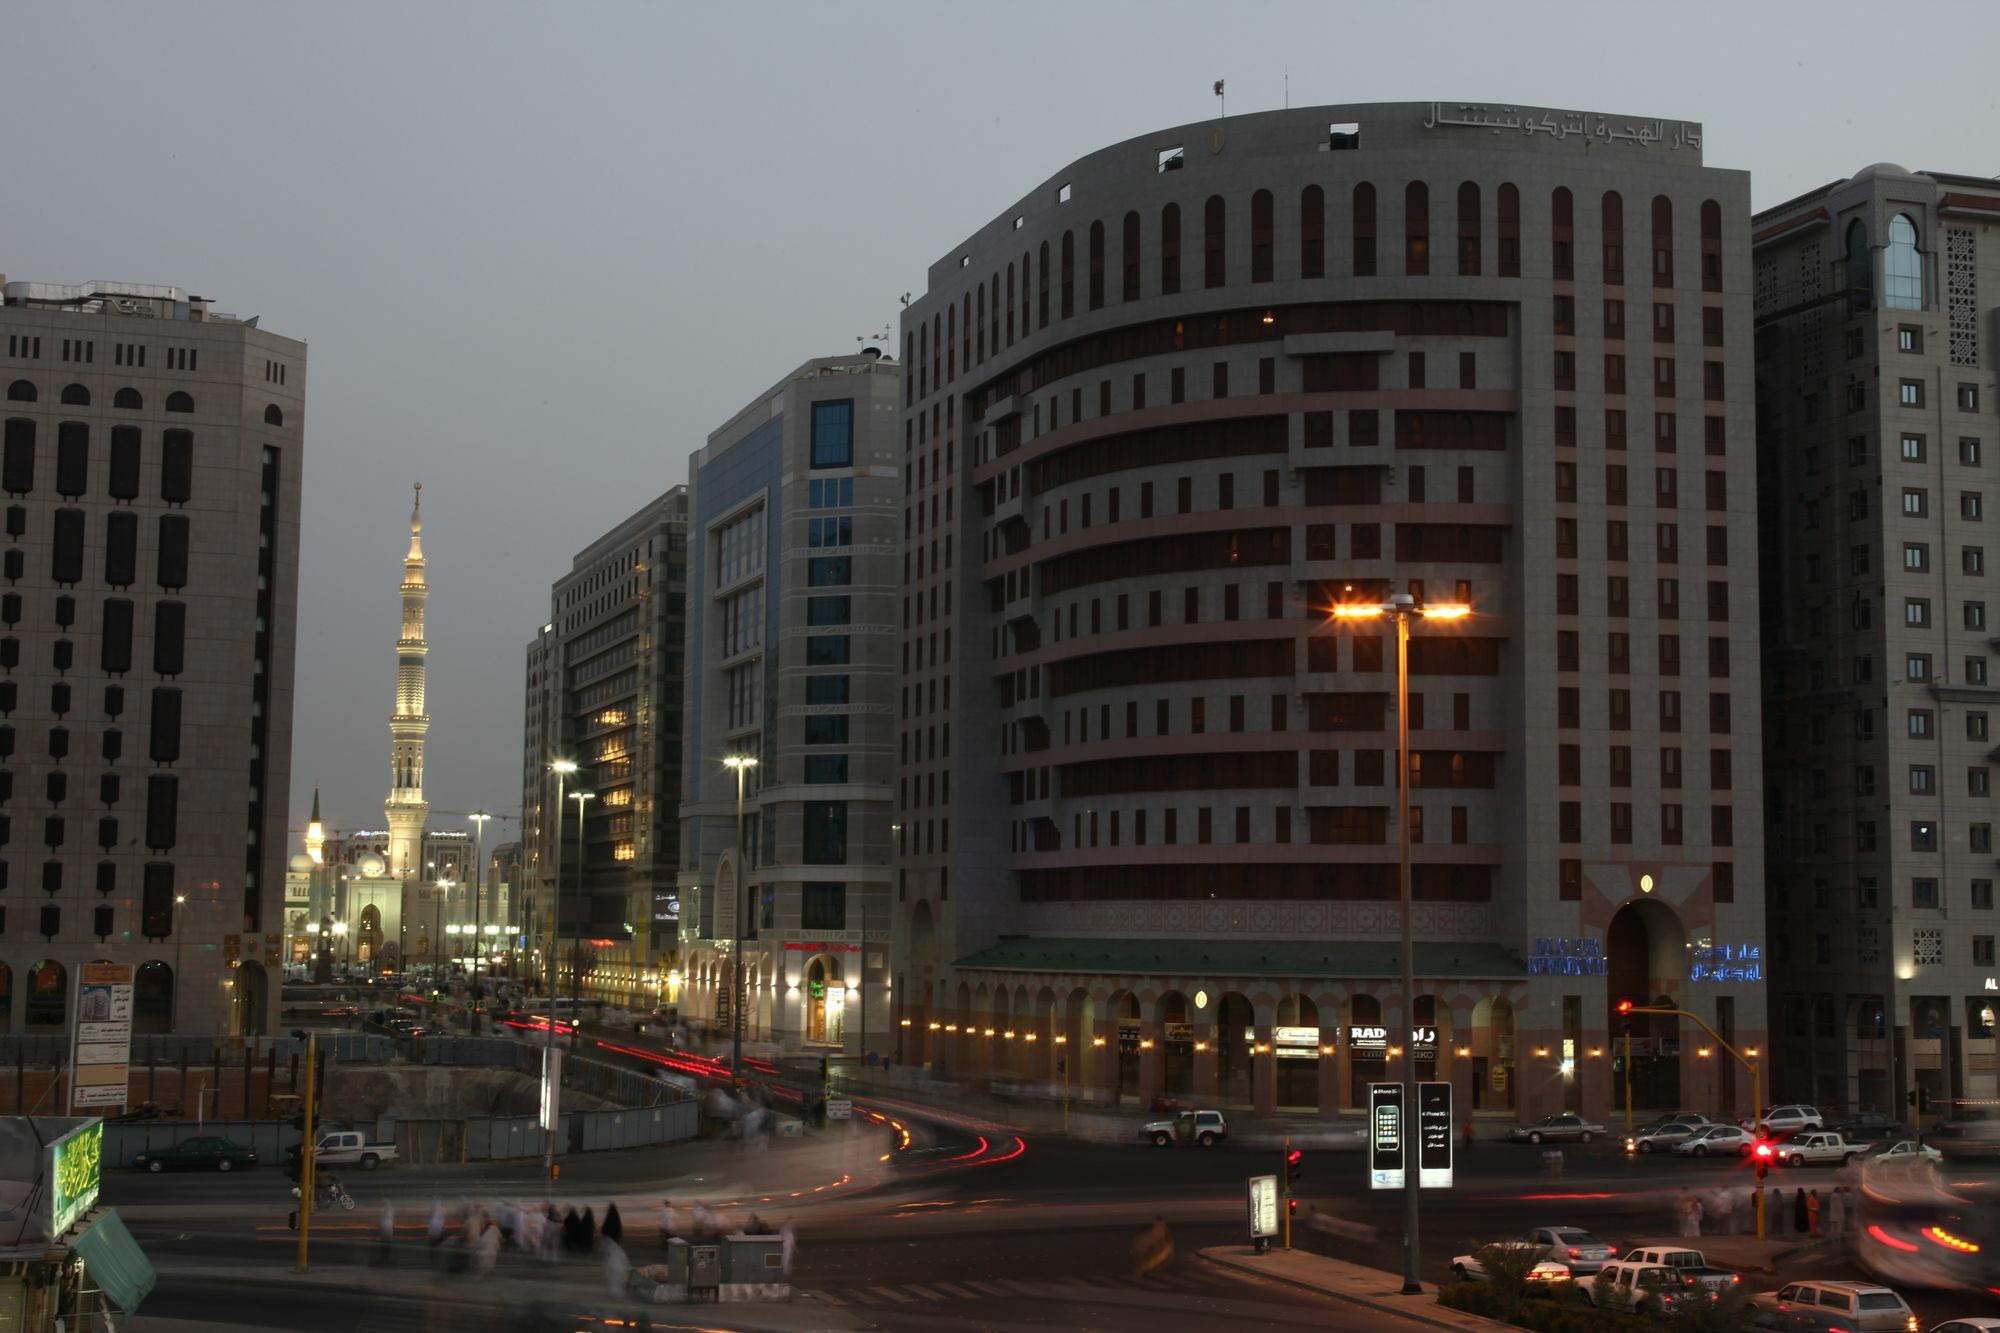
(575, 954)
(562, 768)
(1404, 608)
(742, 764)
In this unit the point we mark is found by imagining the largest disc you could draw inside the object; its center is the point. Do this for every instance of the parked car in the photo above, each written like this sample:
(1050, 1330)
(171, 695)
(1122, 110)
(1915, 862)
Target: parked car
(351, 1147)
(1469, 1268)
(1201, 1128)
(1976, 1324)
(1863, 1306)
(1692, 1265)
(1581, 1252)
(1790, 1118)
(1869, 1127)
(1659, 1138)
(203, 1153)
(1555, 1129)
(1626, 1284)
(1715, 1141)
(1905, 1150)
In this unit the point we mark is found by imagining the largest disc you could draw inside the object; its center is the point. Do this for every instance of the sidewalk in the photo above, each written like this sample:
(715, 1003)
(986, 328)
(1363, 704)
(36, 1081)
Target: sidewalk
(1369, 1288)
(520, 1283)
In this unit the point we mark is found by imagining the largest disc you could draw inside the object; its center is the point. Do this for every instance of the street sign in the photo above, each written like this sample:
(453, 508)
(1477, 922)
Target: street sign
(1434, 1135)
(101, 1043)
(839, 1108)
(1263, 1206)
(1385, 1136)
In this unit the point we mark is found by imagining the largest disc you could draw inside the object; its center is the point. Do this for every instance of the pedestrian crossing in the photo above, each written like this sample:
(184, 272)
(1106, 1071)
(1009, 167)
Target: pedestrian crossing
(966, 1289)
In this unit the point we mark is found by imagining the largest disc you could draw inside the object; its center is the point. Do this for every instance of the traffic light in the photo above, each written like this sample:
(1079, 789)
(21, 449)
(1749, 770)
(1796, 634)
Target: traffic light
(1295, 1167)
(1764, 1153)
(1919, 1098)
(822, 1069)
(1624, 1006)
(1062, 1066)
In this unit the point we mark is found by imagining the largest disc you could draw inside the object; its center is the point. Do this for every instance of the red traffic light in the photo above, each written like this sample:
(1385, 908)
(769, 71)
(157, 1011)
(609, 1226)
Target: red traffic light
(1294, 1157)
(1764, 1150)
(1624, 1006)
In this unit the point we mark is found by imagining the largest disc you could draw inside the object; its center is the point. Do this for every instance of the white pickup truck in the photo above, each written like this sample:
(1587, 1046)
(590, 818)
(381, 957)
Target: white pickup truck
(1817, 1146)
(1692, 1265)
(351, 1148)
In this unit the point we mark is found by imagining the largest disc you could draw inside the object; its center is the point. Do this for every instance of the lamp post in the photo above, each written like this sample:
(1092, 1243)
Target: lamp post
(180, 934)
(1404, 608)
(562, 768)
(575, 954)
(479, 818)
(742, 764)
(339, 936)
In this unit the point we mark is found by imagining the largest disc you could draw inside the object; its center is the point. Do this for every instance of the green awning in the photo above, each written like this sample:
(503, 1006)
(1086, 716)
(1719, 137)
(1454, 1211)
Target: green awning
(115, 1262)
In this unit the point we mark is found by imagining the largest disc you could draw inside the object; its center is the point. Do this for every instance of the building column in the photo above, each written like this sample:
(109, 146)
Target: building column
(1264, 1072)
(1152, 1061)
(1204, 1064)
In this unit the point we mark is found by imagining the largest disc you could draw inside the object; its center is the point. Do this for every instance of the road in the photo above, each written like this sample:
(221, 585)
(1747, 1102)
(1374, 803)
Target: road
(927, 1219)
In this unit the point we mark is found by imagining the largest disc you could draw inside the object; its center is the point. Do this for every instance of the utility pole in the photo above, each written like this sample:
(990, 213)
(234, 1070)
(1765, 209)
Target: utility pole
(306, 1155)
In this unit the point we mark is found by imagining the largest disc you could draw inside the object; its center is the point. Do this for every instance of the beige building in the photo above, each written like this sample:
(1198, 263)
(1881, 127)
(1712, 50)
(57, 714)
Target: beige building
(1878, 429)
(152, 459)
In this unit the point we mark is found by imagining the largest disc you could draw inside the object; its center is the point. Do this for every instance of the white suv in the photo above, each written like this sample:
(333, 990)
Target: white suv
(1790, 1118)
(1862, 1306)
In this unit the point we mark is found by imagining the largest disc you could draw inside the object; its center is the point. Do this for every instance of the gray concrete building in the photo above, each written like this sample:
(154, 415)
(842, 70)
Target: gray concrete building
(1877, 440)
(1173, 405)
(604, 691)
(792, 660)
(152, 458)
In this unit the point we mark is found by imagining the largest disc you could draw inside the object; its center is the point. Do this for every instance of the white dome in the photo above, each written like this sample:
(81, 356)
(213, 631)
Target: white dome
(300, 863)
(371, 865)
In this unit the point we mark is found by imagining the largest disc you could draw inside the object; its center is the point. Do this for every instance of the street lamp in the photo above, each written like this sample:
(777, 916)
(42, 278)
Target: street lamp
(575, 960)
(742, 763)
(340, 934)
(1404, 608)
(562, 768)
(479, 818)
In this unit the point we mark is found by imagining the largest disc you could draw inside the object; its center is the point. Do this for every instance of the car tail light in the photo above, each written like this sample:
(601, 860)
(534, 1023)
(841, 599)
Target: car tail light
(1939, 1236)
(1610, 1250)
(1575, 1253)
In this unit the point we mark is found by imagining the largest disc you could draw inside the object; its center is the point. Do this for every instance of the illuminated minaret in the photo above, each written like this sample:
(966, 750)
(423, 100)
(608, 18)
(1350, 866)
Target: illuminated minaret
(406, 807)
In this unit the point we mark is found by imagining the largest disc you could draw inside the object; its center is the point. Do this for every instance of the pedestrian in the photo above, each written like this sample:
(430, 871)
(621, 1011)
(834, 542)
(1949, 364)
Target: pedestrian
(572, 1230)
(1775, 1212)
(614, 1226)
(790, 1235)
(486, 1251)
(387, 1231)
(1469, 1135)
(617, 1268)
(666, 1221)
(756, 1227)
(1681, 1211)
(1695, 1214)
(1799, 1219)
(1723, 1215)
(1746, 1212)
(551, 1235)
(704, 1221)
(434, 1230)
(589, 1229)
(1812, 1212)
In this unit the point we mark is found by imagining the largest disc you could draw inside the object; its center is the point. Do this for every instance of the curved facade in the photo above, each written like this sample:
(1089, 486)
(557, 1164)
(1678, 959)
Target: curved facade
(1164, 413)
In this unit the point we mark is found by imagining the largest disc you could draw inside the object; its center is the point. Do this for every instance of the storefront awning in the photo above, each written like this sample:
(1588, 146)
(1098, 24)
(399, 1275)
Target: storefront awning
(1289, 958)
(115, 1262)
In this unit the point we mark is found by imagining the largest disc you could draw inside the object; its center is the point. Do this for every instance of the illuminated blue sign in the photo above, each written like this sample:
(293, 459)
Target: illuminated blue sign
(1568, 956)
(1727, 962)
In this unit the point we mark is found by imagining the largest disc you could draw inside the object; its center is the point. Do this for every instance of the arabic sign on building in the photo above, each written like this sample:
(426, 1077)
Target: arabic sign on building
(1727, 962)
(101, 1043)
(76, 1170)
(1568, 956)
(1561, 125)
(1374, 1040)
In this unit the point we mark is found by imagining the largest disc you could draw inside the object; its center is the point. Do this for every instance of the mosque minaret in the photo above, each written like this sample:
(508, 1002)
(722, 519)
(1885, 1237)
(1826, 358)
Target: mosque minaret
(406, 806)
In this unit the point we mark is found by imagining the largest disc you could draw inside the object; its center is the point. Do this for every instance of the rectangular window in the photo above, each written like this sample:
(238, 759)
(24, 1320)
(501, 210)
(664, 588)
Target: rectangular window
(827, 650)
(826, 689)
(826, 768)
(833, 433)
(1910, 393)
(825, 833)
(829, 571)
(823, 906)
(828, 610)
(826, 730)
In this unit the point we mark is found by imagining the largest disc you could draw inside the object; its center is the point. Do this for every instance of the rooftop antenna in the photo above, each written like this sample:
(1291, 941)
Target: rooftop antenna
(1221, 104)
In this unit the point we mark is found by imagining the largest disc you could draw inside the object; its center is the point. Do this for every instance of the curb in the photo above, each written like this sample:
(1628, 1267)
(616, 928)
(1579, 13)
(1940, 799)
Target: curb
(1415, 1315)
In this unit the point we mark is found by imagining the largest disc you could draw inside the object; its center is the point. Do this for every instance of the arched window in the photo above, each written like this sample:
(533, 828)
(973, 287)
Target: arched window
(1128, 258)
(995, 314)
(979, 326)
(129, 399)
(21, 391)
(1028, 292)
(1364, 230)
(1170, 249)
(1214, 236)
(1260, 236)
(1068, 274)
(1613, 223)
(179, 402)
(75, 395)
(1312, 232)
(274, 415)
(1042, 289)
(1097, 265)
(1663, 241)
(1468, 229)
(1562, 234)
(1860, 267)
(1010, 304)
(1711, 246)
(1416, 229)
(1510, 230)
(1903, 267)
